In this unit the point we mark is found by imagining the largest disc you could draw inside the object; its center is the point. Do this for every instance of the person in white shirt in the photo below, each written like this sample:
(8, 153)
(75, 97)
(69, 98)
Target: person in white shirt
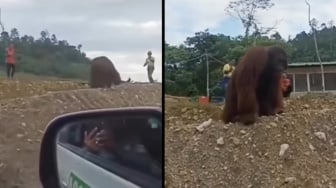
(150, 66)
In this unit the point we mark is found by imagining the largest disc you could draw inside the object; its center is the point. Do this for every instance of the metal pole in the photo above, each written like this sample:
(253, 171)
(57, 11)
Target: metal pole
(2, 27)
(207, 64)
(308, 82)
(316, 48)
(294, 84)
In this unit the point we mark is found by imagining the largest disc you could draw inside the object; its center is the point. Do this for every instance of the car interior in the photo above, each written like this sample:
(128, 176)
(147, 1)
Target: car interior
(130, 133)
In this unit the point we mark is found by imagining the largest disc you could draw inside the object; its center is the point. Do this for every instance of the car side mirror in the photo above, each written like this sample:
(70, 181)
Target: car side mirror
(103, 148)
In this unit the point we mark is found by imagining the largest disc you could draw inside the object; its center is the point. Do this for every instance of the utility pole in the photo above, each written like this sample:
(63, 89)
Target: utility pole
(2, 27)
(316, 48)
(208, 78)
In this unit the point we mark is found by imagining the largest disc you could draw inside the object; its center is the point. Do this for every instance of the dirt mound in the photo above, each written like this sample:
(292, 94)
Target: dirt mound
(24, 88)
(24, 119)
(295, 149)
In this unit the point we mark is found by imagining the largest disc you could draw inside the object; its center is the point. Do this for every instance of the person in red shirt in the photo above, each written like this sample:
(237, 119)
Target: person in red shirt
(10, 60)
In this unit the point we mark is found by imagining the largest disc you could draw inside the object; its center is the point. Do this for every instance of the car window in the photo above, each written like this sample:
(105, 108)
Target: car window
(129, 147)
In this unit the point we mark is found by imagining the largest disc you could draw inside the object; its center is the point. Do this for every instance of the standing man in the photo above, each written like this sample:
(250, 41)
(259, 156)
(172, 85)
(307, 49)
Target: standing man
(10, 60)
(150, 66)
(227, 73)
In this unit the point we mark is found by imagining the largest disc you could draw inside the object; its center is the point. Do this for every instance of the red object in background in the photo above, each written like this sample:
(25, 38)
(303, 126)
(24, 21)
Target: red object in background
(203, 100)
(285, 83)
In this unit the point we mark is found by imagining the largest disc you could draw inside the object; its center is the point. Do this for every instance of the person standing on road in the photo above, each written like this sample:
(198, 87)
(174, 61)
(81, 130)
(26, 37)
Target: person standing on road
(150, 66)
(10, 61)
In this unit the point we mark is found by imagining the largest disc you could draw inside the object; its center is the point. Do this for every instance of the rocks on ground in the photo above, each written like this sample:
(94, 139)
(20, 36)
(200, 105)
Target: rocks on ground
(294, 149)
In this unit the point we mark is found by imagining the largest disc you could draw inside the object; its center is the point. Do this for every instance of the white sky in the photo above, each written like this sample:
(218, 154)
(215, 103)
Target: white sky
(185, 17)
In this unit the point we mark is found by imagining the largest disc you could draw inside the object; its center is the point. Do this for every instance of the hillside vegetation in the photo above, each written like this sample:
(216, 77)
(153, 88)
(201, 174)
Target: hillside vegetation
(185, 65)
(46, 55)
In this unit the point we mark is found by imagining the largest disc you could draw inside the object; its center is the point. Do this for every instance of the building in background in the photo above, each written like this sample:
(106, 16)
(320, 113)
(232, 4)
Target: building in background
(306, 76)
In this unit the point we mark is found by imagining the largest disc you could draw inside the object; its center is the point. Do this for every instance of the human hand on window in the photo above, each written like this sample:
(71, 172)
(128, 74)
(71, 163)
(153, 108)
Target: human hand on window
(94, 140)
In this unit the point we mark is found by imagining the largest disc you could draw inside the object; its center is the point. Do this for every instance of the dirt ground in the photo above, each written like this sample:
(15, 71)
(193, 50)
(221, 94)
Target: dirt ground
(27, 106)
(295, 149)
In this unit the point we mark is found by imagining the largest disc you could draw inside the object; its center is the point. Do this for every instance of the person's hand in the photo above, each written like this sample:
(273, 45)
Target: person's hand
(94, 140)
(101, 138)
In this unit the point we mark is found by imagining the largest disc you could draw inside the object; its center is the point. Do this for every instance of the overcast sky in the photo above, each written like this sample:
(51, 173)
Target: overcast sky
(184, 18)
(123, 30)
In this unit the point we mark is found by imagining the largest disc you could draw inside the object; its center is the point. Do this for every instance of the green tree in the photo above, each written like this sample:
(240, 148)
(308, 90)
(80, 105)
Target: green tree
(54, 39)
(246, 11)
(185, 67)
(14, 35)
(46, 56)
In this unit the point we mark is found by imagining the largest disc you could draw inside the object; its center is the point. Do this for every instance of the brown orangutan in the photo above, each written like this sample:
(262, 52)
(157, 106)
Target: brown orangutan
(255, 87)
(103, 73)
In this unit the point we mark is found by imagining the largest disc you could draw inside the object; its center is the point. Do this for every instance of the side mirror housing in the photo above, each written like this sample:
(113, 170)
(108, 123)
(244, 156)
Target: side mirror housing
(103, 148)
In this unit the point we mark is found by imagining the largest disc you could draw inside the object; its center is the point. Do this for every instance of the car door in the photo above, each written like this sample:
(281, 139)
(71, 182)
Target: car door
(78, 167)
